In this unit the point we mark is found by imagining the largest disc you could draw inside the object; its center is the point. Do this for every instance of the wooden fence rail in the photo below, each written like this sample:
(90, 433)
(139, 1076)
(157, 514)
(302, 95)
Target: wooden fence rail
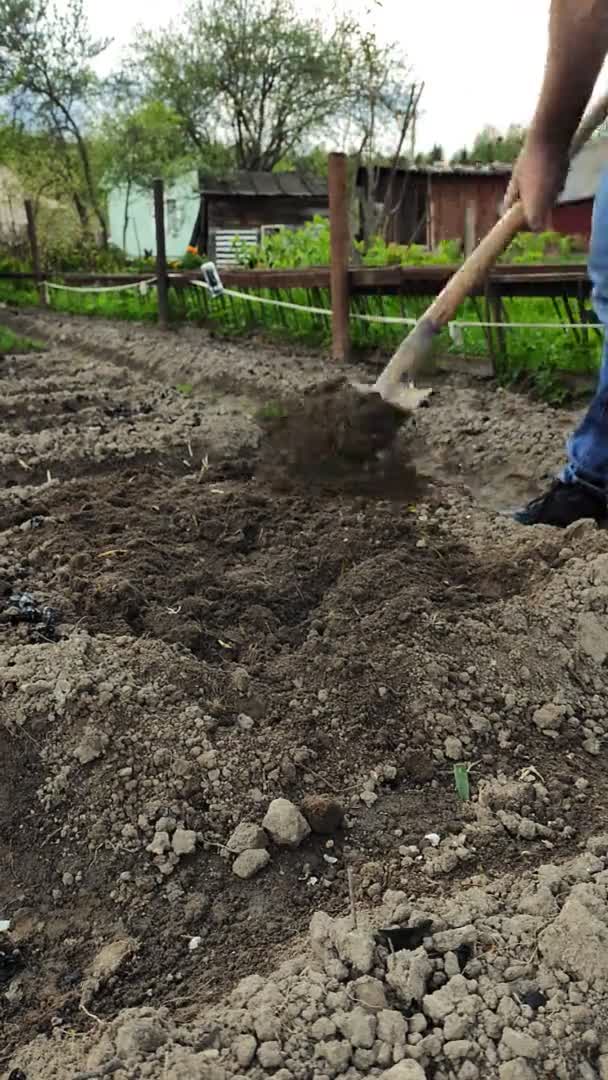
(545, 280)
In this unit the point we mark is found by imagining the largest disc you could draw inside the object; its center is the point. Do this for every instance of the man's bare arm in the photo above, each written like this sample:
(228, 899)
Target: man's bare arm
(578, 44)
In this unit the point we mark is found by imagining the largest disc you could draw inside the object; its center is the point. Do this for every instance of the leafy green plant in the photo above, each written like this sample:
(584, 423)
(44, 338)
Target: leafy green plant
(272, 410)
(461, 782)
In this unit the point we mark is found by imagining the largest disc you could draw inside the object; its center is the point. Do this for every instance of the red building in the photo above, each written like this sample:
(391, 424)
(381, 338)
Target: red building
(450, 202)
(431, 203)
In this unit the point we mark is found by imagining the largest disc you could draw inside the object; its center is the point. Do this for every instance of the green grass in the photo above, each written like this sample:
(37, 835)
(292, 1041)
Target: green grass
(13, 343)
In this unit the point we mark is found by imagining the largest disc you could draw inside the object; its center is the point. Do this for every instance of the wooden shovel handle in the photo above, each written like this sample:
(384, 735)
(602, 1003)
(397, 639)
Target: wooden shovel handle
(476, 267)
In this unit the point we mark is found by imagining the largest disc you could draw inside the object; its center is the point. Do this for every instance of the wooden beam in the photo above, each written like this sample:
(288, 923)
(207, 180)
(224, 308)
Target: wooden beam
(162, 281)
(339, 228)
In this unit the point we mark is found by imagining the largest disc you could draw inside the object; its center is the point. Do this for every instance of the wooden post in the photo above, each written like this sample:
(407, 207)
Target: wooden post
(162, 281)
(33, 239)
(470, 228)
(340, 251)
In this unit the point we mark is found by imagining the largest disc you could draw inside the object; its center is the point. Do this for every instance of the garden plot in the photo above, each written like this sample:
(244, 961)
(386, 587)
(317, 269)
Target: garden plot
(230, 708)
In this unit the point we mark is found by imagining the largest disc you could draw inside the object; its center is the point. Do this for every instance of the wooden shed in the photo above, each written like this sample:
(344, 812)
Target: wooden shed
(249, 205)
(428, 204)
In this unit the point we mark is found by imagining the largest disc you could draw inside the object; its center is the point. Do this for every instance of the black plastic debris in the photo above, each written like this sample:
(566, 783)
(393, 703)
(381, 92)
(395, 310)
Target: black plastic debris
(404, 937)
(11, 961)
(464, 953)
(17, 1074)
(535, 999)
(23, 608)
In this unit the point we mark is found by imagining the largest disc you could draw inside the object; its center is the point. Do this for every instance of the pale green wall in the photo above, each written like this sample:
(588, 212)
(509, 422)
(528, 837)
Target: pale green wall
(181, 208)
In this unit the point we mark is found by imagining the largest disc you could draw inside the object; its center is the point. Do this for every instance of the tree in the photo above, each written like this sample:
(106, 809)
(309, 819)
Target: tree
(435, 156)
(139, 146)
(253, 72)
(46, 69)
(491, 146)
(382, 108)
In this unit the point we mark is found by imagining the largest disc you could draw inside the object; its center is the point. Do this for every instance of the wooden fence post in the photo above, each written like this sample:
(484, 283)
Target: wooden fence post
(162, 281)
(33, 239)
(470, 228)
(339, 228)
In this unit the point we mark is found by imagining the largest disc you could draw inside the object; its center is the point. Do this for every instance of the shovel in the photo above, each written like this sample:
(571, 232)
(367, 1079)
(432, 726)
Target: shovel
(396, 384)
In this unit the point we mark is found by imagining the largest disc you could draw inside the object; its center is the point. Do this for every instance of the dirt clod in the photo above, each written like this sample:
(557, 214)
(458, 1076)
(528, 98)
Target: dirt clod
(323, 813)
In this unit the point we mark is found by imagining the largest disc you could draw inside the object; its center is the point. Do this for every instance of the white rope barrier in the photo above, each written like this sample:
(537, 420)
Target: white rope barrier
(455, 327)
(102, 288)
(265, 300)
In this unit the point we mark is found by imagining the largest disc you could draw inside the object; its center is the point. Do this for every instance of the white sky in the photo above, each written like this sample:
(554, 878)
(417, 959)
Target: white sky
(481, 60)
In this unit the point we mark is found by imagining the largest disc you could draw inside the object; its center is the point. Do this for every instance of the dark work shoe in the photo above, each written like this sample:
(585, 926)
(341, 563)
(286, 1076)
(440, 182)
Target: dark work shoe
(562, 505)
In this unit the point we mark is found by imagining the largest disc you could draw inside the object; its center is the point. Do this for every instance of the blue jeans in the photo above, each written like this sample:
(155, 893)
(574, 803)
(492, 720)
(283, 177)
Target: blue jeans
(588, 446)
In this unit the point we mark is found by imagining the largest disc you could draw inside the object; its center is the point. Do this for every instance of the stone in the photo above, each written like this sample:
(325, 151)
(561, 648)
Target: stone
(184, 842)
(369, 992)
(364, 1060)
(159, 844)
(453, 748)
(270, 1056)
(247, 837)
(598, 845)
(323, 813)
(455, 1027)
(286, 824)
(267, 1026)
(91, 746)
(392, 1027)
(450, 940)
(459, 1049)
(526, 829)
(323, 1029)
(111, 958)
(408, 974)
(444, 1001)
(468, 1071)
(516, 1070)
(404, 1070)
(549, 717)
(337, 1054)
(244, 1048)
(249, 863)
(520, 1044)
(360, 1028)
(542, 902)
(357, 948)
(577, 940)
(592, 636)
(139, 1036)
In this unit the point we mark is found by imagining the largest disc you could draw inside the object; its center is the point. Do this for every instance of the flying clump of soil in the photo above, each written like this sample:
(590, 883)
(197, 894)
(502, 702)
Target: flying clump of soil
(335, 435)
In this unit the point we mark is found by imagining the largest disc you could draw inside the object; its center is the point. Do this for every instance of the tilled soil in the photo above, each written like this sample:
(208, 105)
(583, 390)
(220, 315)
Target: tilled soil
(189, 632)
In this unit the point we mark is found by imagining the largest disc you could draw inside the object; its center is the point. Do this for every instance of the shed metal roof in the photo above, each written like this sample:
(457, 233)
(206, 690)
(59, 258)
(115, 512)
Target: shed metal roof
(265, 185)
(498, 168)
